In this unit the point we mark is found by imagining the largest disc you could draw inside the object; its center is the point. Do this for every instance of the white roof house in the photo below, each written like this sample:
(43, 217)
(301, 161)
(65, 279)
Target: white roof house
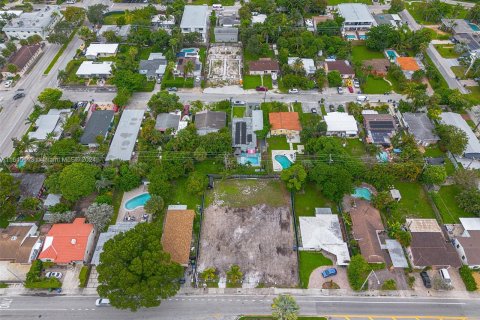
(323, 232)
(194, 19)
(95, 69)
(259, 18)
(356, 15)
(341, 122)
(472, 151)
(48, 123)
(96, 50)
(39, 22)
(308, 64)
(126, 135)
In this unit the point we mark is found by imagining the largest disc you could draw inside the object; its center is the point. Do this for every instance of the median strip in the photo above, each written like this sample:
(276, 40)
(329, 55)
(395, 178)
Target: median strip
(59, 53)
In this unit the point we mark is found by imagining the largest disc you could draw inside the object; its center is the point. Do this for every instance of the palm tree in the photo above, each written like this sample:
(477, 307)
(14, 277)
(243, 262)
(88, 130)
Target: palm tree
(170, 68)
(284, 307)
(188, 69)
(298, 67)
(50, 137)
(209, 274)
(62, 76)
(234, 275)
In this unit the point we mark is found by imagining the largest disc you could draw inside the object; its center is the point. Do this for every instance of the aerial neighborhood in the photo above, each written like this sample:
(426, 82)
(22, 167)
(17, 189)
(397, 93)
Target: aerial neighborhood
(153, 150)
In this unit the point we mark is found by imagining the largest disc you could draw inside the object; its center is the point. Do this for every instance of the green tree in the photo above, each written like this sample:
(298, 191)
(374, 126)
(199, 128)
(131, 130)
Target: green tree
(294, 176)
(129, 80)
(197, 182)
(34, 39)
(49, 97)
(77, 180)
(74, 15)
(357, 272)
(164, 102)
(234, 275)
(135, 272)
(11, 68)
(434, 175)
(334, 180)
(188, 69)
(474, 13)
(381, 37)
(111, 36)
(200, 154)
(159, 182)
(122, 97)
(61, 32)
(64, 147)
(155, 206)
(86, 34)
(452, 138)
(95, 13)
(99, 214)
(209, 274)
(383, 200)
(396, 6)
(284, 307)
(469, 200)
(334, 79)
(127, 179)
(9, 193)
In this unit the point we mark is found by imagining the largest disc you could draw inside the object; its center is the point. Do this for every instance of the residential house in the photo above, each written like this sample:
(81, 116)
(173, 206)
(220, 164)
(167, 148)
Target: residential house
(472, 150)
(263, 66)
(342, 66)
(50, 123)
(377, 67)
(393, 20)
(409, 65)
(164, 22)
(123, 141)
(228, 19)
(243, 136)
(468, 243)
(207, 121)
(101, 50)
(23, 59)
(97, 126)
(356, 17)
(226, 34)
(380, 128)
(112, 231)
(120, 31)
(182, 61)
(19, 243)
(428, 247)
(308, 64)
(284, 123)
(31, 184)
(94, 69)
(195, 19)
(258, 18)
(323, 232)
(458, 26)
(177, 234)
(69, 242)
(341, 124)
(421, 127)
(471, 42)
(38, 22)
(172, 121)
(153, 69)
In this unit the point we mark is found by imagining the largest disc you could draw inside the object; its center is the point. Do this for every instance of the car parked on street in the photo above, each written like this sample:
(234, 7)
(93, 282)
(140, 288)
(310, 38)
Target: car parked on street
(18, 95)
(426, 279)
(172, 89)
(329, 272)
(340, 90)
(102, 302)
(239, 103)
(261, 88)
(8, 83)
(51, 274)
(293, 90)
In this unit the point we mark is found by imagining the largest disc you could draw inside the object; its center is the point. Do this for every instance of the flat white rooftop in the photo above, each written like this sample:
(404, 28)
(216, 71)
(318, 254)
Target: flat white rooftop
(126, 135)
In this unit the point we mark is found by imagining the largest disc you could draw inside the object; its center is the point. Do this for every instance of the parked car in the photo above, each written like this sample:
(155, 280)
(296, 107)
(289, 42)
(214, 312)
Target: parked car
(329, 272)
(362, 98)
(426, 279)
(293, 90)
(445, 276)
(356, 83)
(8, 83)
(172, 89)
(260, 88)
(350, 89)
(239, 103)
(331, 108)
(340, 90)
(51, 274)
(102, 302)
(18, 95)
(313, 110)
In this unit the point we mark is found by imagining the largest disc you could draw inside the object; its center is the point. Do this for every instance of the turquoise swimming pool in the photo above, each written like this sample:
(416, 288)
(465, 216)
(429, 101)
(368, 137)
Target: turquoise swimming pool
(391, 54)
(284, 161)
(249, 158)
(351, 37)
(363, 193)
(474, 26)
(189, 50)
(138, 201)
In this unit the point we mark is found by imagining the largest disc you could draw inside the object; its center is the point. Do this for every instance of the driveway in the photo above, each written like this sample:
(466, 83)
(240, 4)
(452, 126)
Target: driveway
(316, 279)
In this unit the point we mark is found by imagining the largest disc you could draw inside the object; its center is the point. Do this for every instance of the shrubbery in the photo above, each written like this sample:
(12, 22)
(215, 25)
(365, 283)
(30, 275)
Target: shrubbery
(36, 281)
(389, 284)
(83, 276)
(357, 272)
(468, 279)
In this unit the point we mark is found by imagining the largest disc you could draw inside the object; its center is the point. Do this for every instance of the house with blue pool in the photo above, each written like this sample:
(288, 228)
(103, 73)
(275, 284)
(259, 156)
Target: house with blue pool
(244, 138)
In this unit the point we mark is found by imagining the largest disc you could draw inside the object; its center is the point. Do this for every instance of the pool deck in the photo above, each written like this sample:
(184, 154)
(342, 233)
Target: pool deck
(136, 213)
(290, 154)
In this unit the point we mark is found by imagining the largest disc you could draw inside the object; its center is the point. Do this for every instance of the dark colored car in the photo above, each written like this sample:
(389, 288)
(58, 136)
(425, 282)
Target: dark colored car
(426, 279)
(18, 96)
(260, 88)
(329, 272)
(350, 89)
(172, 89)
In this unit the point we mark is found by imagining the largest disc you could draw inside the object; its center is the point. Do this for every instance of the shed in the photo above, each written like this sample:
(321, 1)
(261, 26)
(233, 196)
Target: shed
(395, 193)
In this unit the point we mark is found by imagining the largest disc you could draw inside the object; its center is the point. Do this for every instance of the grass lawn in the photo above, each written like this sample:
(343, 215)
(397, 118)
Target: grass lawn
(112, 18)
(278, 143)
(310, 261)
(417, 13)
(251, 82)
(376, 86)
(247, 56)
(395, 84)
(238, 112)
(474, 94)
(310, 198)
(414, 203)
(441, 83)
(354, 146)
(433, 151)
(447, 204)
(459, 71)
(182, 195)
(360, 53)
(335, 2)
(447, 51)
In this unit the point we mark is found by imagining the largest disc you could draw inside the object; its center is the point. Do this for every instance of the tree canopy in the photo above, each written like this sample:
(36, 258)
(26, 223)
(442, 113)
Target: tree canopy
(164, 102)
(9, 192)
(452, 138)
(95, 13)
(77, 180)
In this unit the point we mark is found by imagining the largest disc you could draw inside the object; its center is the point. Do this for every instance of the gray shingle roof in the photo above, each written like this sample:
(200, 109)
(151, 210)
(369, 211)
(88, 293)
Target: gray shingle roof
(210, 119)
(97, 125)
(167, 121)
(420, 126)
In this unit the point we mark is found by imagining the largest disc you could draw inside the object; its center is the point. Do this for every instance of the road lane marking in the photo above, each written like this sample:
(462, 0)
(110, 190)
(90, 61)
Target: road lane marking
(386, 302)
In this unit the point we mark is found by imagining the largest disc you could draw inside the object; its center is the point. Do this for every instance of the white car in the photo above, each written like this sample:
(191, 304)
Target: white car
(356, 83)
(8, 83)
(293, 90)
(239, 103)
(340, 90)
(102, 302)
(57, 275)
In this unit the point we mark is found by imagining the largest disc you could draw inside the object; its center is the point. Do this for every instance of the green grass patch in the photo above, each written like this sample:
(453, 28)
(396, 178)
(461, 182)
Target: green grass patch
(459, 71)
(437, 84)
(247, 193)
(414, 203)
(447, 51)
(376, 86)
(83, 276)
(247, 56)
(416, 10)
(183, 196)
(360, 53)
(4, 222)
(445, 200)
(474, 94)
(355, 147)
(310, 198)
(251, 82)
(111, 18)
(238, 112)
(211, 2)
(278, 143)
(59, 53)
(116, 202)
(310, 261)
(433, 151)
(467, 276)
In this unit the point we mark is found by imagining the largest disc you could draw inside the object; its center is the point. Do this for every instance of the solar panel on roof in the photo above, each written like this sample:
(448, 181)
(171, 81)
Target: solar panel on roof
(381, 125)
(249, 138)
(244, 132)
(237, 133)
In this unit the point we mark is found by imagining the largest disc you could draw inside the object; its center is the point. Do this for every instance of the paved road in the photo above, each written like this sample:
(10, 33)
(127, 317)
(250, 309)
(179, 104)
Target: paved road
(14, 113)
(228, 306)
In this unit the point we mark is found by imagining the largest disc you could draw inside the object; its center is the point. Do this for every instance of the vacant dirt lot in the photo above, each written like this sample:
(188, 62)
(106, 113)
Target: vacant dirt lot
(249, 223)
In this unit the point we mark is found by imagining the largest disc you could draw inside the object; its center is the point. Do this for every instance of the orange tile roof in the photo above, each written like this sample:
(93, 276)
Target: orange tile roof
(67, 242)
(284, 120)
(177, 234)
(408, 64)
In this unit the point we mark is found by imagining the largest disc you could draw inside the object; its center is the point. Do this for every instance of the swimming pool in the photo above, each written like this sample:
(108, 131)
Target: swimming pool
(21, 163)
(250, 158)
(138, 201)
(363, 192)
(189, 50)
(474, 26)
(351, 37)
(284, 161)
(391, 54)
(363, 37)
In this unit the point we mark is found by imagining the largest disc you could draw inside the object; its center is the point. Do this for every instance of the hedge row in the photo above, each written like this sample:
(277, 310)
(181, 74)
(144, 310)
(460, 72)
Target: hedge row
(177, 83)
(468, 279)
(83, 276)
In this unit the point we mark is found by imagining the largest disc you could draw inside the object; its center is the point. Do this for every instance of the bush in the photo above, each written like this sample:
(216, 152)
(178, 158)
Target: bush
(104, 198)
(44, 283)
(389, 284)
(3, 285)
(468, 279)
(357, 272)
(83, 276)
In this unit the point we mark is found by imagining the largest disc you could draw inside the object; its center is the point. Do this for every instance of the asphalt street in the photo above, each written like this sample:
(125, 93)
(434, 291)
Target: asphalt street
(229, 306)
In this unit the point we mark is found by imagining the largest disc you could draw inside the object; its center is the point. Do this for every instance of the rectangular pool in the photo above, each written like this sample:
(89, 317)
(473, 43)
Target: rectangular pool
(250, 158)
